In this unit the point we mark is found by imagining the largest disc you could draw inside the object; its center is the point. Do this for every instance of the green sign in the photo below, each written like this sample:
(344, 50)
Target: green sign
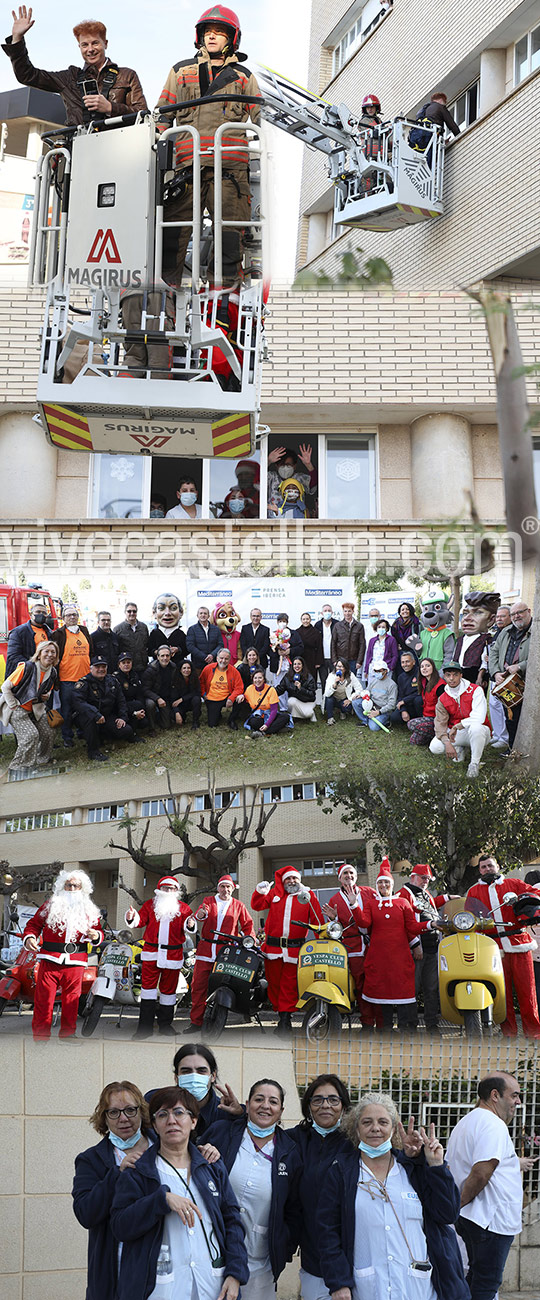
(239, 972)
(323, 959)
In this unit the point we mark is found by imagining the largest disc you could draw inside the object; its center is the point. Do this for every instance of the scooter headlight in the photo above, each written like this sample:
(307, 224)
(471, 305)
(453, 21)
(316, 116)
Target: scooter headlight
(443, 962)
(249, 941)
(334, 930)
(464, 921)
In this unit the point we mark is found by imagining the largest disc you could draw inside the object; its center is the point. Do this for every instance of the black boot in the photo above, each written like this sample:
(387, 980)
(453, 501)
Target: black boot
(165, 1016)
(284, 1025)
(147, 1012)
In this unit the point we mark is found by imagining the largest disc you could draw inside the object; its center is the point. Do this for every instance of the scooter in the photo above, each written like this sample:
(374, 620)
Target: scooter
(471, 976)
(236, 983)
(118, 979)
(18, 986)
(326, 989)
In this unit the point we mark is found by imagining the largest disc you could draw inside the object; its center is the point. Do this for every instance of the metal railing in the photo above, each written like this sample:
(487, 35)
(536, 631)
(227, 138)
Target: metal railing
(435, 1081)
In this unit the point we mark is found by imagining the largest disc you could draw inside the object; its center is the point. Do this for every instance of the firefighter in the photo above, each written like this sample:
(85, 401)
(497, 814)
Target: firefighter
(216, 70)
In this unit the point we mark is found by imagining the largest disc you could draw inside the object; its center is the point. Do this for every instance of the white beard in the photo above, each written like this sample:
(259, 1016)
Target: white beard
(72, 911)
(165, 905)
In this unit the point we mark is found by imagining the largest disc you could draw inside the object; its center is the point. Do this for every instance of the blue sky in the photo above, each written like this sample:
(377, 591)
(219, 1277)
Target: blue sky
(150, 35)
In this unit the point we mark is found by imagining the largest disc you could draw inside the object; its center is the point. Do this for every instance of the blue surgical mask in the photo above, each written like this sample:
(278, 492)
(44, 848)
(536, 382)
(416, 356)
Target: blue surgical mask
(236, 507)
(259, 1132)
(196, 1084)
(373, 1152)
(124, 1144)
(325, 1131)
(188, 498)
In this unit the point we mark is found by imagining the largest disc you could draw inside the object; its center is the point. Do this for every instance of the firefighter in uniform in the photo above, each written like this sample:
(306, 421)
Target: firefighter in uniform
(342, 907)
(216, 71)
(221, 912)
(68, 922)
(426, 971)
(165, 919)
(516, 949)
(291, 909)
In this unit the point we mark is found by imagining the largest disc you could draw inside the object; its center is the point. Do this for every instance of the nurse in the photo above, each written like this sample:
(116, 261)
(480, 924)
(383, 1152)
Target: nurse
(195, 1068)
(177, 1216)
(264, 1166)
(320, 1140)
(387, 1210)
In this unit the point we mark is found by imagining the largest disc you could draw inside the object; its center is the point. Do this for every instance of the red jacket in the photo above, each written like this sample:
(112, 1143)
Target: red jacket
(389, 966)
(503, 914)
(288, 919)
(457, 711)
(53, 941)
(234, 680)
(353, 938)
(163, 940)
(235, 920)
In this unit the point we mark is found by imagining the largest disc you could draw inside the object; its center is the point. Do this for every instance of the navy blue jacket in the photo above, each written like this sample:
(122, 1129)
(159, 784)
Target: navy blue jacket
(139, 1209)
(94, 1185)
(106, 644)
(199, 645)
(317, 1154)
(284, 1225)
(335, 1222)
(21, 645)
(259, 640)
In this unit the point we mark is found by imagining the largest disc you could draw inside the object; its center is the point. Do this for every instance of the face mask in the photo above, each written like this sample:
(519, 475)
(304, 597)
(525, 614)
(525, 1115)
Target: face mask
(196, 1084)
(382, 632)
(259, 1132)
(157, 513)
(38, 619)
(489, 877)
(188, 498)
(373, 1152)
(373, 622)
(236, 507)
(327, 617)
(285, 471)
(124, 1144)
(325, 1131)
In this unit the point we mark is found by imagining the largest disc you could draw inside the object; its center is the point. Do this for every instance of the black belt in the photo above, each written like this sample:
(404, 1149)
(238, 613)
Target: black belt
(164, 947)
(274, 942)
(65, 947)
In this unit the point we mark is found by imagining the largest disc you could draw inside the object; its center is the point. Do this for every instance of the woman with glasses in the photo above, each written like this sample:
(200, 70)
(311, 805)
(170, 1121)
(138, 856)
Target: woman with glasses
(121, 1118)
(177, 1216)
(320, 1141)
(387, 1210)
(264, 1166)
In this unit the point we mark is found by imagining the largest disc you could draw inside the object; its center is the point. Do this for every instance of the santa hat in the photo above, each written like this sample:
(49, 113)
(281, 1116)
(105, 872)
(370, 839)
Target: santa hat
(385, 870)
(347, 866)
(167, 880)
(288, 872)
(423, 869)
(227, 880)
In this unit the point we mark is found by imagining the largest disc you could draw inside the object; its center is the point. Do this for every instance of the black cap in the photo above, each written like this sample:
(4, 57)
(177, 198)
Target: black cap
(124, 655)
(98, 659)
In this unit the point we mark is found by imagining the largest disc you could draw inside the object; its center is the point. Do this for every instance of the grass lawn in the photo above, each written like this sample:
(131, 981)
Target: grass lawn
(309, 752)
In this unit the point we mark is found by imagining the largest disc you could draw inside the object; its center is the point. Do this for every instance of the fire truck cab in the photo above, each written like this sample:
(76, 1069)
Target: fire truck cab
(16, 605)
(97, 236)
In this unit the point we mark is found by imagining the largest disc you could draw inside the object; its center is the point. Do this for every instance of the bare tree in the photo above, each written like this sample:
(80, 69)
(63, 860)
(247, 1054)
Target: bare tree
(220, 851)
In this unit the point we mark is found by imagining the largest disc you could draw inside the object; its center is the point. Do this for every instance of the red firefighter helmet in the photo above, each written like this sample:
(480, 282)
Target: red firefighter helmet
(226, 17)
(371, 101)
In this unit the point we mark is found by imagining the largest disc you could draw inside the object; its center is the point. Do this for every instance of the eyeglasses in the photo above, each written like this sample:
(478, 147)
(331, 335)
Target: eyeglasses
(72, 885)
(318, 1102)
(129, 1112)
(177, 1113)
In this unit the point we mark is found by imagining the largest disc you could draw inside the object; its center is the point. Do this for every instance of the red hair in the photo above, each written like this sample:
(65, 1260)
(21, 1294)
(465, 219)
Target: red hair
(90, 28)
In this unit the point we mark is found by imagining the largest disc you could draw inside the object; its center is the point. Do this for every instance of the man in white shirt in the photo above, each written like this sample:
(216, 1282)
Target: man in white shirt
(484, 1164)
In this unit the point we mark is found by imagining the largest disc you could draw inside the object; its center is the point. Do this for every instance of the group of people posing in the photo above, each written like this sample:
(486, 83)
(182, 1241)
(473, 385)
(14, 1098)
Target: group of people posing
(190, 1195)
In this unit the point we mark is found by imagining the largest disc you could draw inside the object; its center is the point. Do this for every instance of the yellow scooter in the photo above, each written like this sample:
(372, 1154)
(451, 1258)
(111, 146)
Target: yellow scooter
(471, 977)
(325, 985)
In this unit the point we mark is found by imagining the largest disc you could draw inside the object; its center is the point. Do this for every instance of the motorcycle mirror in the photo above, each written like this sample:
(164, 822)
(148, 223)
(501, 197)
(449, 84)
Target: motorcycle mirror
(104, 912)
(510, 898)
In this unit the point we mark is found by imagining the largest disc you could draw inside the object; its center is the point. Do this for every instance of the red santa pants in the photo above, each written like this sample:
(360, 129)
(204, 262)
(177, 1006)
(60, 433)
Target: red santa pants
(370, 1015)
(199, 989)
(282, 984)
(51, 978)
(153, 976)
(519, 972)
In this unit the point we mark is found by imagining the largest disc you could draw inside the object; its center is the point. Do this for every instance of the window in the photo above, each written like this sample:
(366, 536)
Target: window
(527, 55)
(38, 821)
(3, 617)
(536, 464)
(465, 107)
(43, 887)
(111, 812)
(371, 13)
(350, 487)
(117, 487)
(234, 484)
(288, 793)
(227, 799)
(113, 880)
(157, 807)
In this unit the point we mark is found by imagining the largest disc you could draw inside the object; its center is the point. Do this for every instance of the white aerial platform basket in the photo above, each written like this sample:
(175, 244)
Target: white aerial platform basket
(393, 184)
(98, 235)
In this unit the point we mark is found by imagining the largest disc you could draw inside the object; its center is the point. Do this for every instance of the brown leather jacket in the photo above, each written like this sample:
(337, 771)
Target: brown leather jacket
(191, 79)
(348, 641)
(126, 94)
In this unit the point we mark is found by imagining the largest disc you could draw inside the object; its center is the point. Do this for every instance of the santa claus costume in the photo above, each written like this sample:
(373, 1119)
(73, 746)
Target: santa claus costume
(165, 919)
(290, 915)
(354, 939)
(516, 952)
(426, 971)
(64, 923)
(389, 964)
(221, 912)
